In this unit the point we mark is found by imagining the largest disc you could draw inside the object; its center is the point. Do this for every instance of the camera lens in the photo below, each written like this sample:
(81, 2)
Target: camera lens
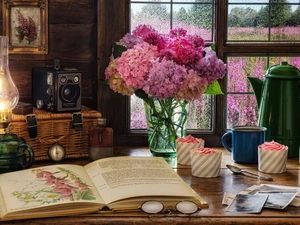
(70, 92)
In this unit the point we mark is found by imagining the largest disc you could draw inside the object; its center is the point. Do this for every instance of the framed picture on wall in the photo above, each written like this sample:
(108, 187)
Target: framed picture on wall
(26, 25)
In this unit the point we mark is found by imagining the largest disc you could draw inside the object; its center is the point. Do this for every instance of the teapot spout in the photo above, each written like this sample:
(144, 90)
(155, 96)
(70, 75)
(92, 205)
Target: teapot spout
(257, 85)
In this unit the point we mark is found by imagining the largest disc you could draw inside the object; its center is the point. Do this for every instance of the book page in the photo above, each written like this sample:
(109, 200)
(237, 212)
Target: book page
(123, 177)
(46, 186)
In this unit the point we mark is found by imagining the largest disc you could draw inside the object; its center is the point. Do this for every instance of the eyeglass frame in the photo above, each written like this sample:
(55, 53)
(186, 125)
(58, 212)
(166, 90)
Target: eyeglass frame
(166, 210)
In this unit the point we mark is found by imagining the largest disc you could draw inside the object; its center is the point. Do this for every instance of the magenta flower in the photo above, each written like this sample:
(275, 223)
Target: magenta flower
(143, 30)
(177, 32)
(155, 39)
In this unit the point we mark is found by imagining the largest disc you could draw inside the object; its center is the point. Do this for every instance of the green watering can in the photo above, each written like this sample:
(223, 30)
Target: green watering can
(278, 99)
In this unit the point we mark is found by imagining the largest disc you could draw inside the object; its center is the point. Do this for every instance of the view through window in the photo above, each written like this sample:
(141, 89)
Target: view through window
(257, 34)
(197, 17)
(271, 23)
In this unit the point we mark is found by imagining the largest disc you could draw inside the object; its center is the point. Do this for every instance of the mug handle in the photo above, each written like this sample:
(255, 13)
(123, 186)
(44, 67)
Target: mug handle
(224, 141)
(30, 162)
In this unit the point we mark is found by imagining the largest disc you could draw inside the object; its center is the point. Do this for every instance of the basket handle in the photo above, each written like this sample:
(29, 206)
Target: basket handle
(51, 141)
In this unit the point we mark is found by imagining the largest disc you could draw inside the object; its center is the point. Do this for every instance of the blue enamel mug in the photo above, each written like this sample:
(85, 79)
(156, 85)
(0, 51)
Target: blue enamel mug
(244, 143)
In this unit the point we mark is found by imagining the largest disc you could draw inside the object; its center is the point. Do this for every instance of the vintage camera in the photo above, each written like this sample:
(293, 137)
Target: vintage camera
(56, 90)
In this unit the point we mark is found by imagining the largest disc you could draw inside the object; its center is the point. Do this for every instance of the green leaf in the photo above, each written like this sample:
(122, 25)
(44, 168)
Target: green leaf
(213, 47)
(118, 50)
(214, 89)
(141, 94)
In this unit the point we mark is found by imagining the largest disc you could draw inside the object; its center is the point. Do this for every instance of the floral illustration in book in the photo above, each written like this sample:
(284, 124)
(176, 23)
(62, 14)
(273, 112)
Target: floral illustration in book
(51, 187)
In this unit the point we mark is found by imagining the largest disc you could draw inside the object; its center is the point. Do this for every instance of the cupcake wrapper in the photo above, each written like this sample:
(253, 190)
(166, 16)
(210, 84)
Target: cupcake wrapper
(183, 151)
(272, 161)
(206, 165)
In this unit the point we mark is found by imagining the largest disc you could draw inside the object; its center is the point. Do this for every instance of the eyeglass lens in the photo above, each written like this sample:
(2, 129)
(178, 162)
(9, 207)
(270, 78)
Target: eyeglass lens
(152, 207)
(186, 207)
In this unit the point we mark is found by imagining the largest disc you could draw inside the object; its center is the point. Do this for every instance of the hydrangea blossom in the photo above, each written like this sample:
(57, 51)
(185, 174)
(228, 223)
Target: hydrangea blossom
(115, 80)
(164, 66)
(130, 40)
(210, 66)
(164, 78)
(135, 63)
(192, 87)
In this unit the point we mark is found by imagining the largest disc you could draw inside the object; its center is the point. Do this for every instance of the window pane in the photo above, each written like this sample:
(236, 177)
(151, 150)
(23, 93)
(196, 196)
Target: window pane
(241, 103)
(200, 113)
(195, 18)
(276, 21)
(286, 25)
(287, 1)
(248, 1)
(241, 110)
(238, 68)
(242, 23)
(156, 15)
(197, 1)
(137, 113)
(148, 1)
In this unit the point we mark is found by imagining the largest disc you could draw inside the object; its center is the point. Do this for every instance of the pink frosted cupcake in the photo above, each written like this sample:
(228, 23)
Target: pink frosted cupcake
(183, 147)
(206, 162)
(272, 157)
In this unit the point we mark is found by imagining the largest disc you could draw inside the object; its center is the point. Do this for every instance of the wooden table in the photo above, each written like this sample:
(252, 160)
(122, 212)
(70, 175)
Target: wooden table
(211, 189)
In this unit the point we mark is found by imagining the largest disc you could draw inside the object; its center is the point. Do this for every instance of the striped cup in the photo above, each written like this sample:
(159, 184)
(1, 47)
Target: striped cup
(206, 165)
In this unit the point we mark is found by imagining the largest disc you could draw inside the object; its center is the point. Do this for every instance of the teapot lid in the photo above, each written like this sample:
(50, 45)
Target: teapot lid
(283, 70)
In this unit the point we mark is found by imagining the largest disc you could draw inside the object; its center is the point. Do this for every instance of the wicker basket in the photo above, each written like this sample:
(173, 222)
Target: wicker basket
(56, 128)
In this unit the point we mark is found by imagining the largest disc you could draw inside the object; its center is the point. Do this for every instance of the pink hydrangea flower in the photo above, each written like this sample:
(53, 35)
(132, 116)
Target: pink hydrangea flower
(130, 40)
(164, 78)
(143, 30)
(210, 66)
(135, 63)
(113, 77)
(192, 87)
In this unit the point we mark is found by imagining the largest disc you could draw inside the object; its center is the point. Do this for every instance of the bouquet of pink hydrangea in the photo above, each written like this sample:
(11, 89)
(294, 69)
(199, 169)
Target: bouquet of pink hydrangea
(176, 65)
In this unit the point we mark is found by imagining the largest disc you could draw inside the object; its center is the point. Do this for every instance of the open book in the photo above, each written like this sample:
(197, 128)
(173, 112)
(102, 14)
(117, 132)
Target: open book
(116, 183)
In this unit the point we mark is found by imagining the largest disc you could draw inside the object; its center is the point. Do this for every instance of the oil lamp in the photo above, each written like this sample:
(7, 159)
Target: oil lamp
(9, 94)
(15, 154)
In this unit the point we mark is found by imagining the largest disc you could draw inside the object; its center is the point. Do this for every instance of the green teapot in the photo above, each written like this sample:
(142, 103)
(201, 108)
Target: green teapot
(278, 99)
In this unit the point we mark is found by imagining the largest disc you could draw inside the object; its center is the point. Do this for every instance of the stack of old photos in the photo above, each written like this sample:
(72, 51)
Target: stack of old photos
(257, 197)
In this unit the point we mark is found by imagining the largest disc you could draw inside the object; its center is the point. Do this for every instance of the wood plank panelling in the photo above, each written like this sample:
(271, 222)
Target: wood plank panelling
(112, 25)
(72, 38)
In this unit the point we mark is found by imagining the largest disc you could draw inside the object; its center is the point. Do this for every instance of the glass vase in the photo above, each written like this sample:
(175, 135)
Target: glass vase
(166, 121)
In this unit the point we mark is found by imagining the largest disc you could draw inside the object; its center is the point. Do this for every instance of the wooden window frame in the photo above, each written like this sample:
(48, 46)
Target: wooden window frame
(113, 23)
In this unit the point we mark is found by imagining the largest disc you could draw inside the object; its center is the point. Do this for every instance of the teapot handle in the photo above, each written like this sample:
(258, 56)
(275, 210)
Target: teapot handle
(30, 161)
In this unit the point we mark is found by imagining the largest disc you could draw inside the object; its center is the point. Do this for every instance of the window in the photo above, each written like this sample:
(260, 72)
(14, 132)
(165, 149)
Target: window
(197, 17)
(250, 36)
(266, 30)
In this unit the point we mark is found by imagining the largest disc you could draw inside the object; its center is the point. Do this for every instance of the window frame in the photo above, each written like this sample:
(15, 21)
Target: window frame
(115, 107)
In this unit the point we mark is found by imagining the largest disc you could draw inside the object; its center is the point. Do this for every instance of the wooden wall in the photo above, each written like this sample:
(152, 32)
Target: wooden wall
(81, 34)
(72, 38)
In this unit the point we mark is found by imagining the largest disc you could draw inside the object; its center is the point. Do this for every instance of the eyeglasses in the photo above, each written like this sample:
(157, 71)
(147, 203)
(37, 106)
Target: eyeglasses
(153, 207)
